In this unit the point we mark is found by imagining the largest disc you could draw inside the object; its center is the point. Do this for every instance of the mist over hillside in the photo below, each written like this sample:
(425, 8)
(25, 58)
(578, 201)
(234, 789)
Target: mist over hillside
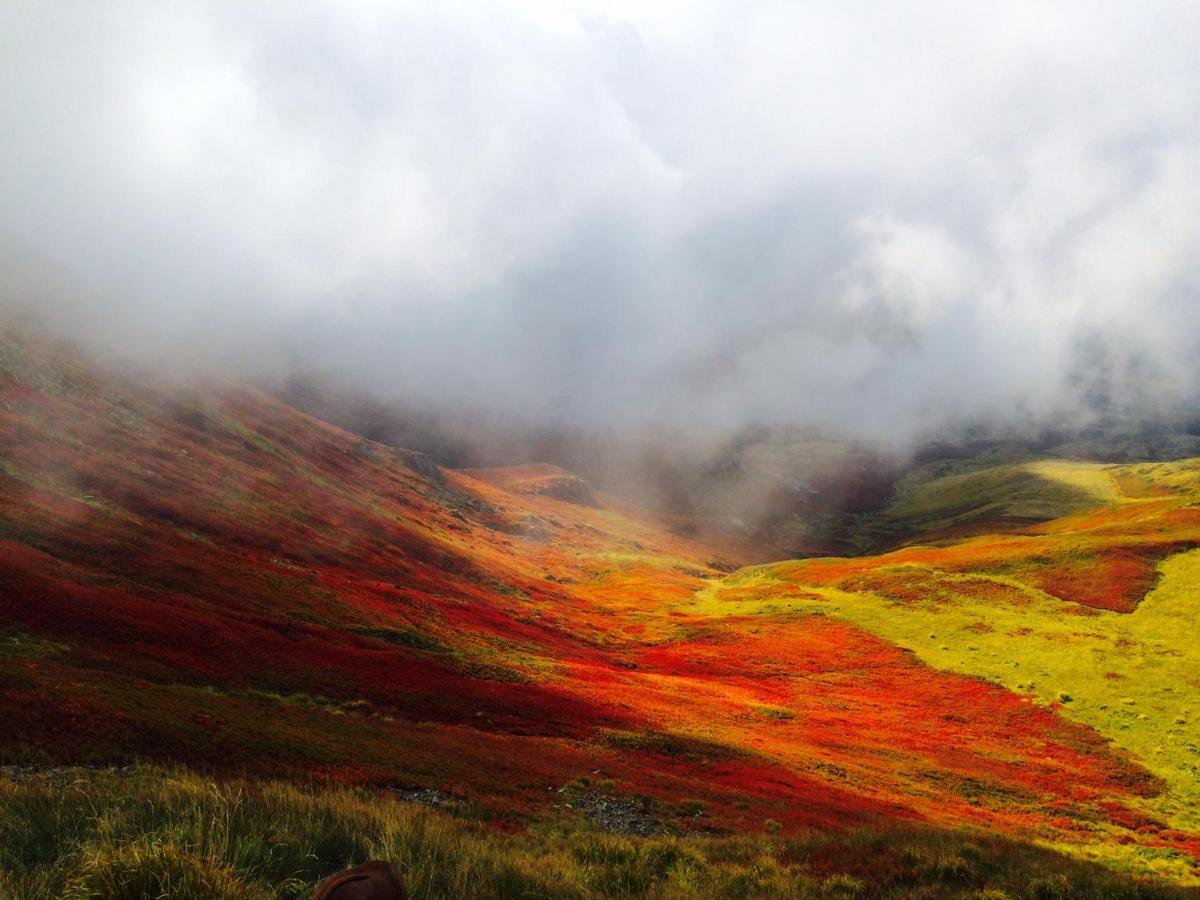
(991, 650)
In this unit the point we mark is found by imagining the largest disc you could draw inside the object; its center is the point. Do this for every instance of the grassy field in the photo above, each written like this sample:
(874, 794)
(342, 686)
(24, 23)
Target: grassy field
(151, 832)
(978, 496)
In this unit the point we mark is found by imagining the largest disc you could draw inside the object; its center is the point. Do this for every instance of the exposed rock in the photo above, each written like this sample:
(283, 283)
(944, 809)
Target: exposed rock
(531, 528)
(421, 464)
(619, 815)
(425, 796)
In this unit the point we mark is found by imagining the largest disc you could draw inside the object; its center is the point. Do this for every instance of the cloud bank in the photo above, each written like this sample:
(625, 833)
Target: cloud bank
(876, 217)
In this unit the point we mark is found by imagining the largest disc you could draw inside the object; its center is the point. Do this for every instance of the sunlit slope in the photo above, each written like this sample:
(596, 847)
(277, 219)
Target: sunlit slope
(1095, 615)
(953, 499)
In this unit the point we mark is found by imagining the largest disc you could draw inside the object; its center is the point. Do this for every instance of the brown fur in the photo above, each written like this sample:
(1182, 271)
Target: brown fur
(375, 880)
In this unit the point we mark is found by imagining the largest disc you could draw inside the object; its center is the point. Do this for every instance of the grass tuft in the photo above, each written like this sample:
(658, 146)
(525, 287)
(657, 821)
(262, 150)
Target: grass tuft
(150, 833)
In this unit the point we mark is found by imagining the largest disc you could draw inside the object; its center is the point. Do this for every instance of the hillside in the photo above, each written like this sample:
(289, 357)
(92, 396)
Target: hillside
(198, 574)
(1092, 615)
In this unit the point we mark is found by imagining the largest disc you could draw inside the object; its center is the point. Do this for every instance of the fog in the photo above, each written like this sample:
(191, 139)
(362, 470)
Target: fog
(875, 218)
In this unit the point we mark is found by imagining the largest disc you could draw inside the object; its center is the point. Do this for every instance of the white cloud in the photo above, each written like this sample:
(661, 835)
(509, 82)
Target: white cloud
(704, 211)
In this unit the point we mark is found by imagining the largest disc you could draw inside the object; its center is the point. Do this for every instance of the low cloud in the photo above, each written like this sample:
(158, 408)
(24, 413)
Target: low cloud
(877, 219)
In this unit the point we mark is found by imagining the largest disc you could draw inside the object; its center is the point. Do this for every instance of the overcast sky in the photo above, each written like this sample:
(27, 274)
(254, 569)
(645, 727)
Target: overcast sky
(877, 216)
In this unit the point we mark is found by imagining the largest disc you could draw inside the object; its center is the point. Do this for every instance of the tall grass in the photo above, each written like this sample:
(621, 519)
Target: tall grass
(154, 833)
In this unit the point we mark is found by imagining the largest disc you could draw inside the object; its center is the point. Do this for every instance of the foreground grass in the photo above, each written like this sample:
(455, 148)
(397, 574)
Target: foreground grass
(154, 833)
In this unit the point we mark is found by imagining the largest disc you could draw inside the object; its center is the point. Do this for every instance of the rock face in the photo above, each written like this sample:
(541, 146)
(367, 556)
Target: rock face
(619, 815)
(422, 464)
(568, 488)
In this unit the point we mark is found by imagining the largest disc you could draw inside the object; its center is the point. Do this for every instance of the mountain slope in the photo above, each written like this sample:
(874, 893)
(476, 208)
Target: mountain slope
(202, 574)
(1092, 615)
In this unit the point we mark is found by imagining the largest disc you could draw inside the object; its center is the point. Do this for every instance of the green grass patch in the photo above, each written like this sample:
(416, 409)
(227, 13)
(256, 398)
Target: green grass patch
(19, 645)
(967, 496)
(413, 638)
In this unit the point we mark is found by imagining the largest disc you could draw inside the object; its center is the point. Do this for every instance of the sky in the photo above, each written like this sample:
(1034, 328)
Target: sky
(874, 217)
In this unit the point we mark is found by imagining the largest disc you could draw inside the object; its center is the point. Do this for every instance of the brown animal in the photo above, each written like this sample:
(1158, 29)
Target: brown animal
(375, 880)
